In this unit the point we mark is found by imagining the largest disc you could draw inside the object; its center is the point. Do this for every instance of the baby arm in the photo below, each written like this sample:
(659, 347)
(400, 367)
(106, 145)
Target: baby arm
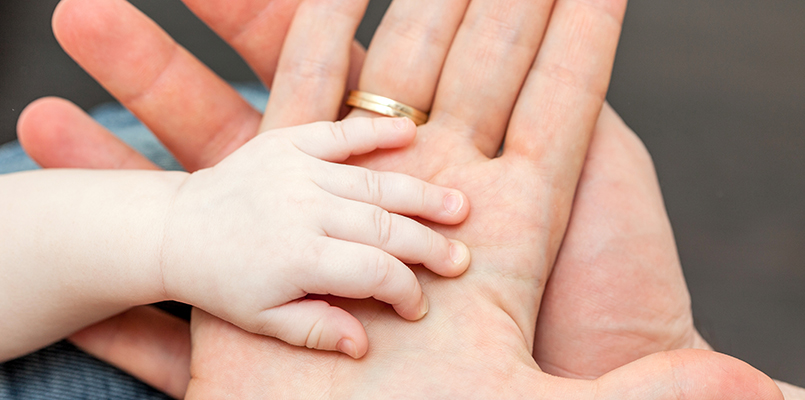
(246, 240)
(77, 246)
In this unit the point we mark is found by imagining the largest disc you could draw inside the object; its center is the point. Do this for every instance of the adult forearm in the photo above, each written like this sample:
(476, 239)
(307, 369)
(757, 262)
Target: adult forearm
(79, 246)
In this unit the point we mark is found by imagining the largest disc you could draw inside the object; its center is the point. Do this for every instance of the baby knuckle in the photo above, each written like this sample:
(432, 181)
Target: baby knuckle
(373, 184)
(384, 272)
(315, 334)
(433, 241)
(420, 192)
(339, 134)
(384, 226)
(270, 325)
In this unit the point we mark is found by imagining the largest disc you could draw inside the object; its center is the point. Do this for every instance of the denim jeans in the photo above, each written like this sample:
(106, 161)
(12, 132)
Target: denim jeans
(61, 371)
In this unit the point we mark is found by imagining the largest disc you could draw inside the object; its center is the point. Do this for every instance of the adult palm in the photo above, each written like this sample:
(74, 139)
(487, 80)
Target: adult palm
(617, 292)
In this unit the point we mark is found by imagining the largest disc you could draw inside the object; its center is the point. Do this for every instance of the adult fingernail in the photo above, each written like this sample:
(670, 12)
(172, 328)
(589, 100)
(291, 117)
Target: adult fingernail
(459, 252)
(347, 347)
(453, 203)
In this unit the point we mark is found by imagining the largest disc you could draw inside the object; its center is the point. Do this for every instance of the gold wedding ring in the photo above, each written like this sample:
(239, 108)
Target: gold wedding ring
(385, 106)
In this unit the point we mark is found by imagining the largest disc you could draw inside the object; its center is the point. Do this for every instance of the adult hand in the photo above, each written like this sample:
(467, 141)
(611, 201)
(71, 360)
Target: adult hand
(198, 116)
(617, 292)
(486, 142)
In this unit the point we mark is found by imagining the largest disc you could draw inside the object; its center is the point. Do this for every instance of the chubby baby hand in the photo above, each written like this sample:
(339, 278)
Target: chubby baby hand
(277, 220)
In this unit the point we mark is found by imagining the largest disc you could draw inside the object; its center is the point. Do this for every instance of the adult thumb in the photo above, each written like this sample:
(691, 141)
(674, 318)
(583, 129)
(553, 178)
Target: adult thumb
(687, 374)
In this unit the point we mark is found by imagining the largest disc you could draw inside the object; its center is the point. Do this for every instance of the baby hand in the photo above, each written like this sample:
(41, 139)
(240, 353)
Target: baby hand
(248, 239)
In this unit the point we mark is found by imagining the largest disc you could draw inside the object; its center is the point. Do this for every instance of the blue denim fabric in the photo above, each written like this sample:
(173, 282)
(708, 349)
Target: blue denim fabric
(61, 371)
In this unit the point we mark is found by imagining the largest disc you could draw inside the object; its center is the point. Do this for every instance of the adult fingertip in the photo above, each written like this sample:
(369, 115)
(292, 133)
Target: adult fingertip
(34, 112)
(42, 122)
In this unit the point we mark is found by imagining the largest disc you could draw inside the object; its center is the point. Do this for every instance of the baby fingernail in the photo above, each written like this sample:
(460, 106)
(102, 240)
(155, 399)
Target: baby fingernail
(458, 252)
(424, 307)
(347, 347)
(401, 124)
(453, 202)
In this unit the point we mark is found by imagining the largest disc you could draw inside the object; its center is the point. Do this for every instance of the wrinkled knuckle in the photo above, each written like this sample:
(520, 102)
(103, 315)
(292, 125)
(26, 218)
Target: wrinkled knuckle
(384, 225)
(434, 241)
(374, 186)
(315, 254)
(315, 334)
(384, 272)
(339, 133)
(420, 191)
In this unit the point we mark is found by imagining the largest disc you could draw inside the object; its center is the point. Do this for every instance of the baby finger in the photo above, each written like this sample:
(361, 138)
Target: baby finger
(315, 324)
(402, 237)
(357, 271)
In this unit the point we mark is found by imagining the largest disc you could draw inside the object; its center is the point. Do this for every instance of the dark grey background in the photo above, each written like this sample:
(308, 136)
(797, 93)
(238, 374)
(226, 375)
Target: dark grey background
(715, 88)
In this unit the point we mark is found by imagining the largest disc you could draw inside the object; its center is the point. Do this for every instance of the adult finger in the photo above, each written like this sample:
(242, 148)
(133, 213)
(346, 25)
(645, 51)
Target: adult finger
(198, 116)
(358, 271)
(57, 134)
(408, 50)
(557, 109)
(687, 374)
(487, 65)
(357, 54)
(315, 324)
(256, 29)
(315, 63)
(148, 343)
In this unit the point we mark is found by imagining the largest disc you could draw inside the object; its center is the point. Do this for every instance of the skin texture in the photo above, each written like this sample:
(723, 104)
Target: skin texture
(246, 240)
(320, 228)
(524, 196)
